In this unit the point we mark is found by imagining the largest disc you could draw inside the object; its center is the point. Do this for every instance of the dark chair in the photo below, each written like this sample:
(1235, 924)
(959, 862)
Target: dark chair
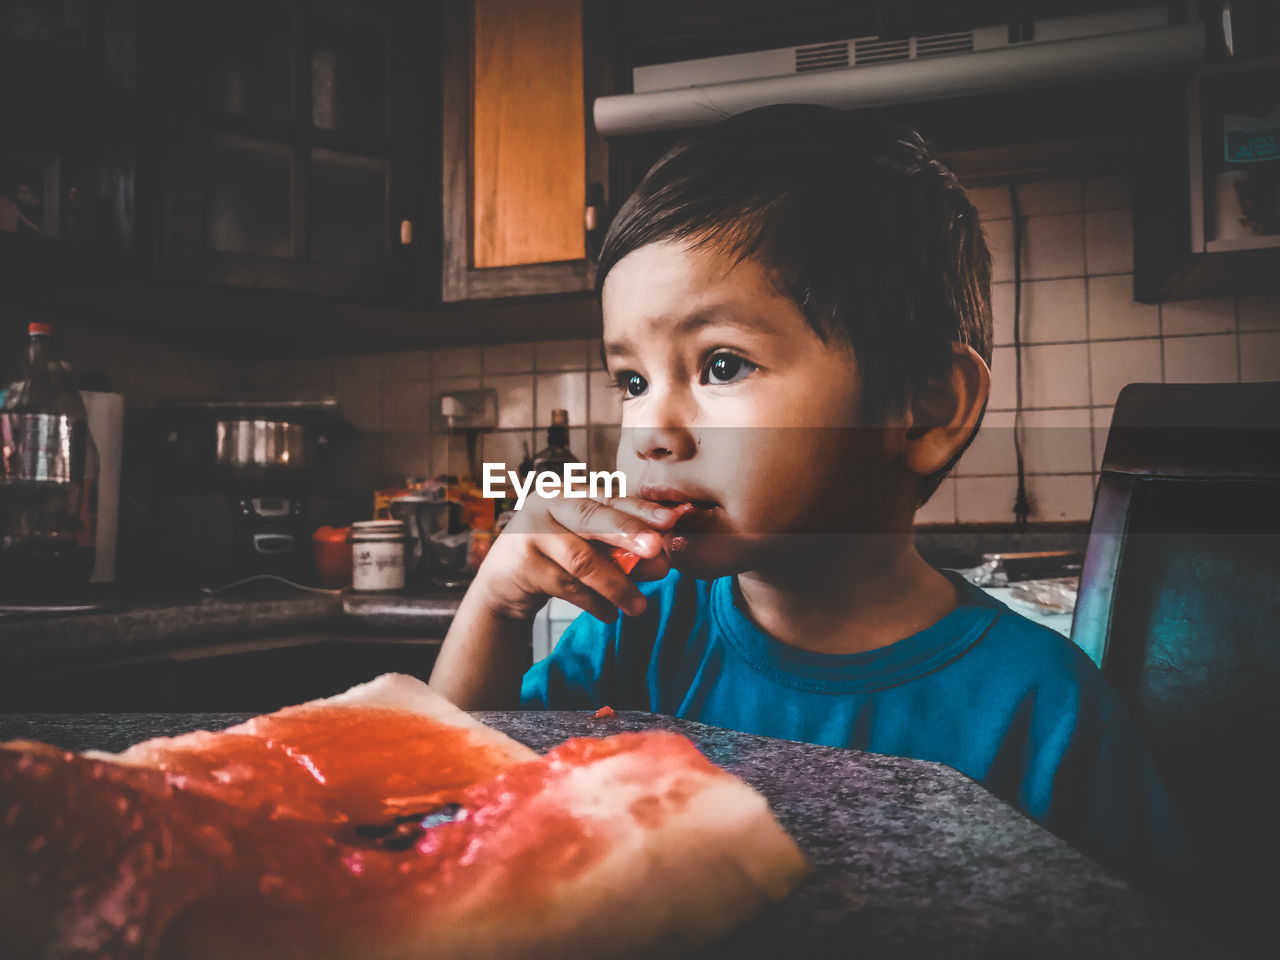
(1180, 603)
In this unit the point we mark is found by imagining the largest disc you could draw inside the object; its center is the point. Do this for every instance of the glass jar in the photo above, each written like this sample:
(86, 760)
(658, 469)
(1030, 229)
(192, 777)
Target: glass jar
(377, 555)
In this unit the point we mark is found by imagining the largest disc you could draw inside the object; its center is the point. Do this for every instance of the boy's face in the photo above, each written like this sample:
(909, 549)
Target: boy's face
(732, 401)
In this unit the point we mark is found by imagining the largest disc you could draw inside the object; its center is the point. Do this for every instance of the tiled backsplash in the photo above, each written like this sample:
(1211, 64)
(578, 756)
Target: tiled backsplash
(1084, 338)
(141, 370)
(393, 399)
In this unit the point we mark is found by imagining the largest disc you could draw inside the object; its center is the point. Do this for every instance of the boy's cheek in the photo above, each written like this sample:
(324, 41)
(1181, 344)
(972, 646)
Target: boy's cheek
(709, 556)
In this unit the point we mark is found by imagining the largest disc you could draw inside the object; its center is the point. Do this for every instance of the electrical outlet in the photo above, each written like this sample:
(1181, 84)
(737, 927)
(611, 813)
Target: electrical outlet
(470, 409)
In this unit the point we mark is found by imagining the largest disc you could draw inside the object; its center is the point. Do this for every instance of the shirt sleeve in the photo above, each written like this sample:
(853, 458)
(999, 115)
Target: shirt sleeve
(577, 675)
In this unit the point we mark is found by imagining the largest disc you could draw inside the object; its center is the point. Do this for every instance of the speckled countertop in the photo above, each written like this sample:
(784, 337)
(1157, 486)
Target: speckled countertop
(137, 629)
(911, 859)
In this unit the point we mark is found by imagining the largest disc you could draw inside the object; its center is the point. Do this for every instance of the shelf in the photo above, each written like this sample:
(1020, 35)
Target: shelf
(1233, 244)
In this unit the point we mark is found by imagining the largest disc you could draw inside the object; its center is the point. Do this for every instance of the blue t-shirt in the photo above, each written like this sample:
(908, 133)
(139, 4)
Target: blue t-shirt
(1008, 702)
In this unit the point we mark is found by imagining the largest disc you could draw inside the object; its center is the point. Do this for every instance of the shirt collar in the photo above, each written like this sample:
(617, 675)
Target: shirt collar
(866, 672)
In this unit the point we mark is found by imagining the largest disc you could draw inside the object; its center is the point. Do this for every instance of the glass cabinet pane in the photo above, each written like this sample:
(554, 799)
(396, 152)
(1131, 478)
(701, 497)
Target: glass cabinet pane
(250, 197)
(348, 209)
(349, 70)
(253, 65)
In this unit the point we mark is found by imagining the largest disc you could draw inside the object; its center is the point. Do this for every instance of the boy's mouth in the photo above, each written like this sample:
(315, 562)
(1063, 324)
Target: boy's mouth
(672, 498)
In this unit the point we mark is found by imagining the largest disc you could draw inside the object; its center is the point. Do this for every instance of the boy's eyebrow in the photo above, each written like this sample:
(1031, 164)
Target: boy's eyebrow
(727, 314)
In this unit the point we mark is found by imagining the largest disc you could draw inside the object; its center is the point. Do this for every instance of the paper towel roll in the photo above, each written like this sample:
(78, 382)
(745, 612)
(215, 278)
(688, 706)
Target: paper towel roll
(106, 428)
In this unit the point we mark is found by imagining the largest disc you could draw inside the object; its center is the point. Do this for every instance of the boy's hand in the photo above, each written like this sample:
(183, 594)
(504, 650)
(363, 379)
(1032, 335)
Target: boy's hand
(556, 548)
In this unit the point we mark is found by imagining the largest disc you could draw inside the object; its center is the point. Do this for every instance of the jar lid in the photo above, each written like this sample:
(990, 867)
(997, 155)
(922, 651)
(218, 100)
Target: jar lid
(378, 526)
(367, 530)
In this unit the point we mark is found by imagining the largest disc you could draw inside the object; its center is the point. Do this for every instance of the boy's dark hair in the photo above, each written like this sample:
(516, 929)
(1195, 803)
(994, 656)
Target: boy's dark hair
(858, 222)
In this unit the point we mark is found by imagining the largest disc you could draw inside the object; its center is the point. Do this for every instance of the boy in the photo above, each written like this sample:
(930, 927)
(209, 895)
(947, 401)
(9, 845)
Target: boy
(796, 311)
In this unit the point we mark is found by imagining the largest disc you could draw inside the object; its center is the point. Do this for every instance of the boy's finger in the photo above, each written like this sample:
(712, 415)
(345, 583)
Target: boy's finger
(598, 520)
(555, 582)
(579, 560)
(651, 568)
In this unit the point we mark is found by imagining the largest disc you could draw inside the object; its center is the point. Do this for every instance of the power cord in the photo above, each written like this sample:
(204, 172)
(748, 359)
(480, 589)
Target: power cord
(1021, 504)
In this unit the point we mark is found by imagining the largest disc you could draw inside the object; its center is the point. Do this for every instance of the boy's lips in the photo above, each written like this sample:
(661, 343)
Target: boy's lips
(675, 496)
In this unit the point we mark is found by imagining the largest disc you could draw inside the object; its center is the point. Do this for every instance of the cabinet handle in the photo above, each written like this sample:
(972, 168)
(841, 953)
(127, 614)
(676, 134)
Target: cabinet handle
(595, 217)
(406, 232)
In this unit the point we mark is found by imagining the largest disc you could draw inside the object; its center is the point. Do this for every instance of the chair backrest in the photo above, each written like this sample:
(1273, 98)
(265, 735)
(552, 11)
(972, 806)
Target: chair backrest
(1180, 603)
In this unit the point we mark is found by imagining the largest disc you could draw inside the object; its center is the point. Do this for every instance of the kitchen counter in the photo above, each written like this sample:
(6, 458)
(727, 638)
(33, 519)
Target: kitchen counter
(183, 622)
(911, 859)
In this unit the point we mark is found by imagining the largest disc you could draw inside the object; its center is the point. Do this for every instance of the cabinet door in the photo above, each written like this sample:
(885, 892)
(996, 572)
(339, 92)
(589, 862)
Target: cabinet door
(297, 163)
(524, 174)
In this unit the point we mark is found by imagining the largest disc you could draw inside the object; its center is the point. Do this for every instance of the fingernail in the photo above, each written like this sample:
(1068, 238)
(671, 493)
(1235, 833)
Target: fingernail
(683, 508)
(647, 543)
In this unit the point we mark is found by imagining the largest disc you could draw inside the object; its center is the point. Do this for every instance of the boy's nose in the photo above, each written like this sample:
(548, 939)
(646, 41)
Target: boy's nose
(662, 442)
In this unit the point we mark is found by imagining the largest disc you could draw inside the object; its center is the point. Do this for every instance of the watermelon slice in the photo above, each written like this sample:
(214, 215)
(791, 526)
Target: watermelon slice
(380, 823)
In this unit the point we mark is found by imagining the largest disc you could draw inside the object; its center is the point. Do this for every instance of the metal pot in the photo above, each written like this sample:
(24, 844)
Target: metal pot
(255, 449)
(203, 446)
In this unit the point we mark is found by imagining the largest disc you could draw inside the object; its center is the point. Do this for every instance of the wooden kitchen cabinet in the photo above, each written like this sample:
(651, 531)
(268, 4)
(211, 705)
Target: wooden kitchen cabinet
(293, 152)
(525, 178)
(73, 137)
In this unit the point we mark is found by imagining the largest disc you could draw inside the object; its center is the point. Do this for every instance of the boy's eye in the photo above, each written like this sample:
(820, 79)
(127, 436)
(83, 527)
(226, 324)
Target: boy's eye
(631, 384)
(726, 368)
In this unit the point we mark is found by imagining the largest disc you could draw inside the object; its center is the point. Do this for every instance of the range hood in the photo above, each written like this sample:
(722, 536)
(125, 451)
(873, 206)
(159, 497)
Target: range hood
(868, 72)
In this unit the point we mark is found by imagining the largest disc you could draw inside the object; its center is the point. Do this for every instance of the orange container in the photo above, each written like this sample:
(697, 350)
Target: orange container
(331, 547)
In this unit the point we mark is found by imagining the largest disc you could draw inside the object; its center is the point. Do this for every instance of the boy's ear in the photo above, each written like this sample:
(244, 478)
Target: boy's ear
(943, 415)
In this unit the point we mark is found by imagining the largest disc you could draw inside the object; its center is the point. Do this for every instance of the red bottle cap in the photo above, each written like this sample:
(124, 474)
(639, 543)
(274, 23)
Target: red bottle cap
(42, 329)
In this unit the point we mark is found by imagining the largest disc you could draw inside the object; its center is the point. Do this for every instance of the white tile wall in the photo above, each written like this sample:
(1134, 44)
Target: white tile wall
(1114, 363)
(1051, 196)
(409, 365)
(407, 406)
(1259, 313)
(1106, 192)
(1115, 315)
(561, 355)
(1052, 246)
(561, 391)
(941, 507)
(1109, 241)
(1199, 359)
(1051, 311)
(1198, 316)
(985, 499)
(508, 358)
(457, 362)
(1055, 375)
(515, 399)
(1259, 356)
(1057, 441)
(1084, 337)
(1058, 498)
(991, 453)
